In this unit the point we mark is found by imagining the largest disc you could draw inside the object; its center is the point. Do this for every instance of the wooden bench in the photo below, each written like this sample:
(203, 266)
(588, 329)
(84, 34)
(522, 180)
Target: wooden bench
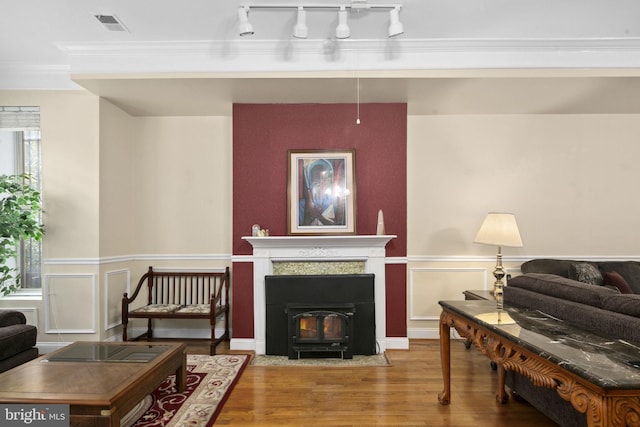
(181, 295)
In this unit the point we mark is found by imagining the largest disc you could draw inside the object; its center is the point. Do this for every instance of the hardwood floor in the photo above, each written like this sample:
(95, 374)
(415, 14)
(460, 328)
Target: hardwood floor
(404, 394)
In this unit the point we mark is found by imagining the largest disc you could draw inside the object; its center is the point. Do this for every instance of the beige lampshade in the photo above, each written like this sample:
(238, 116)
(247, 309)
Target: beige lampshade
(499, 229)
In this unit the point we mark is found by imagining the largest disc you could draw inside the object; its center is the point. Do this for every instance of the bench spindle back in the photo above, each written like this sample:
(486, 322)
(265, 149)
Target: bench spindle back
(185, 289)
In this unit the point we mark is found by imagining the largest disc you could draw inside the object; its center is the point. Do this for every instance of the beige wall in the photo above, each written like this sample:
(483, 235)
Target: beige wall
(571, 180)
(183, 185)
(70, 170)
(165, 201)
(123, 192)
(118, 134)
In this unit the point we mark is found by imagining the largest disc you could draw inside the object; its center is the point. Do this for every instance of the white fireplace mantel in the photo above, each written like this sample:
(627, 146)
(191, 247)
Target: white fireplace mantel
(367, 248)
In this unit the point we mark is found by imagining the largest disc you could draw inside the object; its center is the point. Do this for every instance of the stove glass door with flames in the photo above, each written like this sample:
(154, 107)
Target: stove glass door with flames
(320, 326)
(320, 329)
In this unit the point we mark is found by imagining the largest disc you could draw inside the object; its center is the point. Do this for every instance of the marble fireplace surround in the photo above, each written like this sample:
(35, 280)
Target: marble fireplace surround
(369, 249)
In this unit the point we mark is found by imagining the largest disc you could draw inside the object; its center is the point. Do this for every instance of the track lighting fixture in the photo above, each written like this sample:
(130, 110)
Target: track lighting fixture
(300, 31)
(395, 26)
(244, 26)
(343, 31)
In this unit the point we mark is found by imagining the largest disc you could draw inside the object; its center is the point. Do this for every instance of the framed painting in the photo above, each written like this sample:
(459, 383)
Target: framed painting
(321, 192)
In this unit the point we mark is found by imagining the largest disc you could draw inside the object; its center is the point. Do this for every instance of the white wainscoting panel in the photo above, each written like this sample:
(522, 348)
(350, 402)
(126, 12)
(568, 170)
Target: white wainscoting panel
(427, 286)
(70, 303)
(116, 283)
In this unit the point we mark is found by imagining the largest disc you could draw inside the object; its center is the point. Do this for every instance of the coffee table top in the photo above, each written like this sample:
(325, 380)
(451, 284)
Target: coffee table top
(73, 375)
(606, 362)
(107, 353)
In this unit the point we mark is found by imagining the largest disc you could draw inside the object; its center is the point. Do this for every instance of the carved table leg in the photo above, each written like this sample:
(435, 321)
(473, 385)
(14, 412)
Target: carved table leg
(501, 395)
(445, 359)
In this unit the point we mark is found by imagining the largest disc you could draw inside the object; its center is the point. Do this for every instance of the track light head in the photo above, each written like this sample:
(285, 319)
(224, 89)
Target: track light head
(300, 31)
(342, 30)
(395, 26)
(244, 26)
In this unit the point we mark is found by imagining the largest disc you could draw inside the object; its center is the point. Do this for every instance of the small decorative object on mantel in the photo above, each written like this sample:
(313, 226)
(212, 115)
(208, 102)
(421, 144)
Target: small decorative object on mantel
(256, 231)
(380, 228)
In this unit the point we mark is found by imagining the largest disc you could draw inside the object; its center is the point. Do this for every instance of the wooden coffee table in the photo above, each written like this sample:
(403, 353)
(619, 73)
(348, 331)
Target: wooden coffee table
(101, 382)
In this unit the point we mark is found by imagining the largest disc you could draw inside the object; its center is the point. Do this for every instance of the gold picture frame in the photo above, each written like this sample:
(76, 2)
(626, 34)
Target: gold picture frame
(321, 192)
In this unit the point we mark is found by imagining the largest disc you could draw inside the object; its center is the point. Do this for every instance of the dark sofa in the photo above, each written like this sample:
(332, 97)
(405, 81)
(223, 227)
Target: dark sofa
(612, 273)
(17, 340)
(599, 308)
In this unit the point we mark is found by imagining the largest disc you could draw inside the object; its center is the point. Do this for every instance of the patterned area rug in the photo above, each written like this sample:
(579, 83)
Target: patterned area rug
(375, 360)
(210, 380)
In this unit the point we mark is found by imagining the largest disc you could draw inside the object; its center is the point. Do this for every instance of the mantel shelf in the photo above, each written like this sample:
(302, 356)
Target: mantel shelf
(372, 240)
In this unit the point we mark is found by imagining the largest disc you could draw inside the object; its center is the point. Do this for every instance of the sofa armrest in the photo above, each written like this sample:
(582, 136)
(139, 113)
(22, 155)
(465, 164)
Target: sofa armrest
(562, 288)
(12, 317)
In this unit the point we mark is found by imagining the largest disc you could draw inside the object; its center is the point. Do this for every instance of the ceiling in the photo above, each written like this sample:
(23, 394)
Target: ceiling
(455, 56)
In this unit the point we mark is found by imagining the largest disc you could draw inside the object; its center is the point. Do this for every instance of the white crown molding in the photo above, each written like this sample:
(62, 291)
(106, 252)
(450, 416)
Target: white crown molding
(350, 54)
(22, 76)
(320, 56)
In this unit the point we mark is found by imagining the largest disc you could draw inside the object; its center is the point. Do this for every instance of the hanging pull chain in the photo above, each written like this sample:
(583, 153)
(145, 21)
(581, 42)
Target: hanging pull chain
(358, 101)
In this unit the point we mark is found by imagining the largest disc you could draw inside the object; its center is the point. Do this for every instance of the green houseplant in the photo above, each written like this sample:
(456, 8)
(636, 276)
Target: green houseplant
(19, 219)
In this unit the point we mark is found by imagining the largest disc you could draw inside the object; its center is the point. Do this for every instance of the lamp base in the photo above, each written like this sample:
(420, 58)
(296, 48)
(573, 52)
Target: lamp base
(496, 318)
(498, 286)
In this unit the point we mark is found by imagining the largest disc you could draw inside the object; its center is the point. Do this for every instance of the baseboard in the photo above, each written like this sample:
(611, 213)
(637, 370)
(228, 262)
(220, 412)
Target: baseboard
(429, 333)
(243, 344)
(397, 343)
(48, 347)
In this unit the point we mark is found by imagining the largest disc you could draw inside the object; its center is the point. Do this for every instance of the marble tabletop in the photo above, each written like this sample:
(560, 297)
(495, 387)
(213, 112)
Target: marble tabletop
(604, 362)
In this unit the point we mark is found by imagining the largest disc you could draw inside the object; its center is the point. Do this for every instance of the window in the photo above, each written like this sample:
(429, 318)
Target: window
(20, 154)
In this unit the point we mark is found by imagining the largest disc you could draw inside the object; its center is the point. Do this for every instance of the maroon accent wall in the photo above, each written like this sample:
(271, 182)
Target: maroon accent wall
(262, 134)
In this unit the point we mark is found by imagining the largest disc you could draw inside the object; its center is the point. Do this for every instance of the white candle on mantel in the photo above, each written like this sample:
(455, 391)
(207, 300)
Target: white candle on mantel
(380, 228)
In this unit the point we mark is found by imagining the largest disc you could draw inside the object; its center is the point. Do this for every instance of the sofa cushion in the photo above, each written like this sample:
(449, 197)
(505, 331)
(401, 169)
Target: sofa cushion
(157, 308)
(18, 359)
(603, 322)
(614, 279)
(629, 270)
(625, 304)
(194, 308)
(563, 288)
(586, 273)
(15, 339)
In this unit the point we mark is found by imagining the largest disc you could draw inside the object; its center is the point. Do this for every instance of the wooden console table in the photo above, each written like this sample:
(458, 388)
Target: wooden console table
(599, 377)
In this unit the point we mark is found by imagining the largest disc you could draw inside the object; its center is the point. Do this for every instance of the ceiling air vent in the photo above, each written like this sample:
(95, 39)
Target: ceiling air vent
(111, 22)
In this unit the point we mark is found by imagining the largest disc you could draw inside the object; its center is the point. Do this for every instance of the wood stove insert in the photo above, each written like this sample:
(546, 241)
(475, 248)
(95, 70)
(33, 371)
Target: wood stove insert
(332, 297)
(320, 328)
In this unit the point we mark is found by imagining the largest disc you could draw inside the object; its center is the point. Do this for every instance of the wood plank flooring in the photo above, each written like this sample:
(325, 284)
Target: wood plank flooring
(404, 394)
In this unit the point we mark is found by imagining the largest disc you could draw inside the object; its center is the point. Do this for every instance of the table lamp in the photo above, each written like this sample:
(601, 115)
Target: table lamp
(499, 229)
